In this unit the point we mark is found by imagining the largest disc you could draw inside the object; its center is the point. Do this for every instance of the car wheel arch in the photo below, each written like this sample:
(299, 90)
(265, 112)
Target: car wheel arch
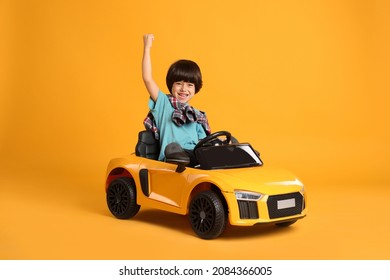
(204, 186)
(117, 172)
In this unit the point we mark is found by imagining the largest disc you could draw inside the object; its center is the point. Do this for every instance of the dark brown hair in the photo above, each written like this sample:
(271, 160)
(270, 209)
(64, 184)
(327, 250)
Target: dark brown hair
(184, 70)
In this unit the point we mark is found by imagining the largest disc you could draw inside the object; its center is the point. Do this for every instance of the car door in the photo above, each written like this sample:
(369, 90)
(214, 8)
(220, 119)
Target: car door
(163, 183)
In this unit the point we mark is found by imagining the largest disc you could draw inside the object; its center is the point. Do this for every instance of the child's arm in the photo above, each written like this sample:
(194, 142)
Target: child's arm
(150, 84)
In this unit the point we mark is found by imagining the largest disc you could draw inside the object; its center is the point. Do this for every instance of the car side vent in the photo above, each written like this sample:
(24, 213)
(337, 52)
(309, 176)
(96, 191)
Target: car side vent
(248, 209)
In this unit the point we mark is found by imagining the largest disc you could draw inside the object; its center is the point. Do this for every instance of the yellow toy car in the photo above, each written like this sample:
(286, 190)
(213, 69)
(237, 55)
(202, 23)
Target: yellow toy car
(230, 184)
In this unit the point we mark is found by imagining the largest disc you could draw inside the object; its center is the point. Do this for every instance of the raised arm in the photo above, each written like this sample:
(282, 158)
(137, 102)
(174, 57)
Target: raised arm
(150, 84)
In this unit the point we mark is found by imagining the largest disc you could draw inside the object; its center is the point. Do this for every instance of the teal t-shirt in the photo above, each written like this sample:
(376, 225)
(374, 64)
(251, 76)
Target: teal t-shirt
(186, 135)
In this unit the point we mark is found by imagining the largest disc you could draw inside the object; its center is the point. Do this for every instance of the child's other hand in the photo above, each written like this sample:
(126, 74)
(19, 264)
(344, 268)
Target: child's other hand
(148, 39)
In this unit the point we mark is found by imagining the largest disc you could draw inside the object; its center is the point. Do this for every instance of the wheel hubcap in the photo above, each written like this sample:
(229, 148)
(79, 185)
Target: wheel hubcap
(202, 215)
(118, 199)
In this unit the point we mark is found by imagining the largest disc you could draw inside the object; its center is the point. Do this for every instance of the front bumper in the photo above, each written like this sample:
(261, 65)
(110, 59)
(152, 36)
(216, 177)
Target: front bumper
(269, 209)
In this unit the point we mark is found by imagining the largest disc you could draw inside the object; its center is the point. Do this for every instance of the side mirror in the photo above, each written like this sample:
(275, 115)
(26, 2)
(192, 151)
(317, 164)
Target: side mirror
(180, 162)
(181, 167)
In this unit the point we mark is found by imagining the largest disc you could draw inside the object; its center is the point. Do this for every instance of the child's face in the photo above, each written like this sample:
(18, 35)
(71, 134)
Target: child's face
(183, 91)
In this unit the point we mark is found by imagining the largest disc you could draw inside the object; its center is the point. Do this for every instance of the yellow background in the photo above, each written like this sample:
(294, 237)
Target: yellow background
(306, 82)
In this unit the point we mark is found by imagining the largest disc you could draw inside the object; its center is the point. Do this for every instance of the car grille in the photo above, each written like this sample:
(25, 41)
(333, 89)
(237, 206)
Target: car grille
(248, 209)
(296, 209)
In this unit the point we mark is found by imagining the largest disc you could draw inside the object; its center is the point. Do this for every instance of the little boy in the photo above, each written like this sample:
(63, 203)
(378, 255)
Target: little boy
(176, 125)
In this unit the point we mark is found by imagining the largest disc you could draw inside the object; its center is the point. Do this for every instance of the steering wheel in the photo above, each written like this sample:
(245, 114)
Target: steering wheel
(213, 136)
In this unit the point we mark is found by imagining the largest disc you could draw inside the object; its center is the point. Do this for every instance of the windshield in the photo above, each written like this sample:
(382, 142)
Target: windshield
(227, 156)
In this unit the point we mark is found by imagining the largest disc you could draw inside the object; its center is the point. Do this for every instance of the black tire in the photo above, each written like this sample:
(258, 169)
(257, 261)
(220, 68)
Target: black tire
(121, 198)
(207, 215)
(286, 224)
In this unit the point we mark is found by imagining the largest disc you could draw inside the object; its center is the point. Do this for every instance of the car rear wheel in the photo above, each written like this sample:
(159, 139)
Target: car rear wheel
(121, 198)
(207, 215)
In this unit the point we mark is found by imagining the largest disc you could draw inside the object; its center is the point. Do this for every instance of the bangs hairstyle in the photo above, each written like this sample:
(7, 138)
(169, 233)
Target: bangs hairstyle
(184, 70)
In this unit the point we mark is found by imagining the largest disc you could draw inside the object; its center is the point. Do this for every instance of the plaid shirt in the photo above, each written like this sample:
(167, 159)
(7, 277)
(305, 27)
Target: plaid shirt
(183, 113)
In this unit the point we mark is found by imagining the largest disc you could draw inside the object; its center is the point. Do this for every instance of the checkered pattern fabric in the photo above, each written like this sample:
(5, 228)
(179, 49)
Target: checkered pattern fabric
(183, 113)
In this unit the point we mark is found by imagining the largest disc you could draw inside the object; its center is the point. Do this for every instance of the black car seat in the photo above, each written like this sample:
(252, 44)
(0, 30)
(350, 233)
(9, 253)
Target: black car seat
(147, 146)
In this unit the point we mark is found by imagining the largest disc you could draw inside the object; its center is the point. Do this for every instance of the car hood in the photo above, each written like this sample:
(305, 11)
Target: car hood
(259, 179)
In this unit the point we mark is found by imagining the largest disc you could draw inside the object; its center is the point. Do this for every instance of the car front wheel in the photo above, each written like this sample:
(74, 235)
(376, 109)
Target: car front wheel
(207, 215)
(121, 198)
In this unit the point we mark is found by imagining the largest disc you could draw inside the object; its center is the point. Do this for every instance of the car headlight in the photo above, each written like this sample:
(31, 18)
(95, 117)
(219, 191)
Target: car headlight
(249, 196)
(303, 189)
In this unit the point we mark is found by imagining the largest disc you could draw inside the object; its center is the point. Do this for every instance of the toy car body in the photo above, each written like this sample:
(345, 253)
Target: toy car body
(229, 185)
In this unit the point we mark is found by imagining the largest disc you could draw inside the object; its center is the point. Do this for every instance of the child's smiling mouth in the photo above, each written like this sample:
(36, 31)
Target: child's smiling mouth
(182, 95)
